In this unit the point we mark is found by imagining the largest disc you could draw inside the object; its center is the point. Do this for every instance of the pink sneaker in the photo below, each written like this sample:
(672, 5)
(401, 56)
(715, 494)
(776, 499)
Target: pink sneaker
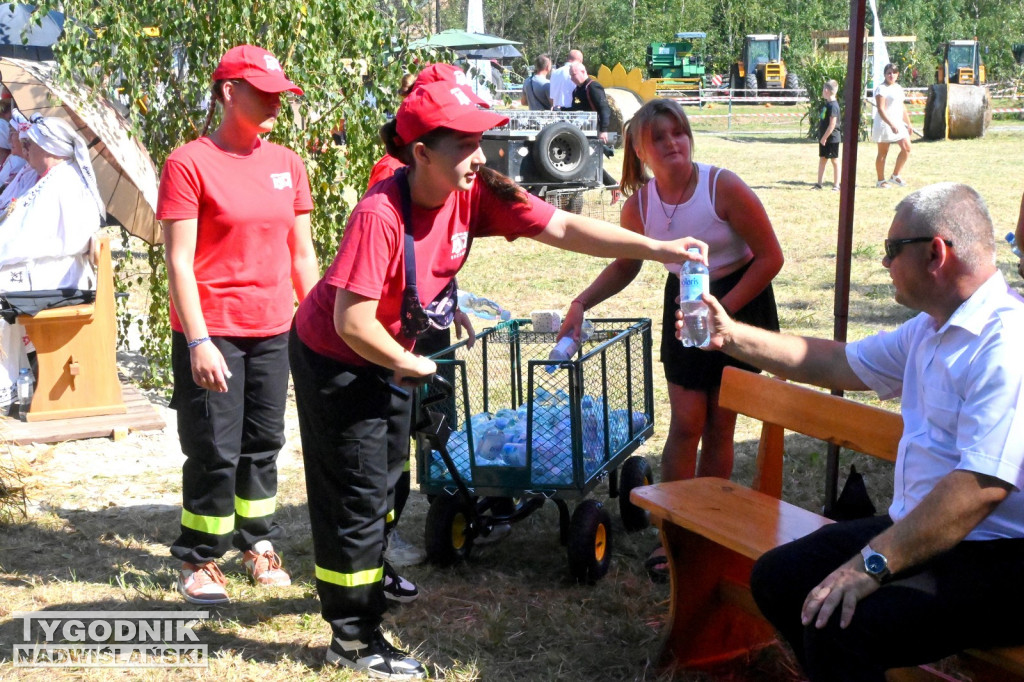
(264, 565)
(202, 584)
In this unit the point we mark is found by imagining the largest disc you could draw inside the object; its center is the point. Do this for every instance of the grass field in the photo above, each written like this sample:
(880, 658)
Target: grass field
(511, 612)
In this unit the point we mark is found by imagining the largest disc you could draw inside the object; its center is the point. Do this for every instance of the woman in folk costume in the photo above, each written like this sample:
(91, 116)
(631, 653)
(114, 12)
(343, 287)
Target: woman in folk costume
(26, 176)
(45, 237)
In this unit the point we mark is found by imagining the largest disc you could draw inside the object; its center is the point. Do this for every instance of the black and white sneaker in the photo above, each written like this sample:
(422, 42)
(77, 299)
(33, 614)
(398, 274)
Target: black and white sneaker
(397, 588)
(377, 658)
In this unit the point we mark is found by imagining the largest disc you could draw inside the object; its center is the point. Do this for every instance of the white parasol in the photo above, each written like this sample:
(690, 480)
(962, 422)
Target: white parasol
(125, 172)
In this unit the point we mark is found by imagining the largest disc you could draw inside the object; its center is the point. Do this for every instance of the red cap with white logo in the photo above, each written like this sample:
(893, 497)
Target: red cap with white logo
(257, 67)
(446, 73)
(442, 105)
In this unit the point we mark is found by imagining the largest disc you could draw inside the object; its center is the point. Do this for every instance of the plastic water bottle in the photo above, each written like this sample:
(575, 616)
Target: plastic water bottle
(26, 385)
(693, 282)
(1012, 241)
(483, 308)
(566, 347)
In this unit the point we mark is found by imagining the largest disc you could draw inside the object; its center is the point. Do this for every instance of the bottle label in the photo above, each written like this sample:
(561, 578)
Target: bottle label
(692, 285)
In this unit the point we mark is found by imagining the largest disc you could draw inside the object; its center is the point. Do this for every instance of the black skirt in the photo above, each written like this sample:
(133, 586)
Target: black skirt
(701, 370)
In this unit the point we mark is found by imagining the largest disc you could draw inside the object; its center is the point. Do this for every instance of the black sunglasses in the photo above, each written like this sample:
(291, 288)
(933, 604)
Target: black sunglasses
(894, 246)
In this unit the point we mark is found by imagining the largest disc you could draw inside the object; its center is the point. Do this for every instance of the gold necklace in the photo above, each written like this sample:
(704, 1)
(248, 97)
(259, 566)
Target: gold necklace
(670, 216)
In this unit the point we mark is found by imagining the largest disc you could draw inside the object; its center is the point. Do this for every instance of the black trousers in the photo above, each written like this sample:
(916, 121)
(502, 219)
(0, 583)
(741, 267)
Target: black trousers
(230, 441)
(971, 596)
(355, 443)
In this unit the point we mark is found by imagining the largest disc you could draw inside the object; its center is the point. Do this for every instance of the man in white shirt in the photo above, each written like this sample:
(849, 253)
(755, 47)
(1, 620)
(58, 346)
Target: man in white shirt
(561, 82)
(942, 571)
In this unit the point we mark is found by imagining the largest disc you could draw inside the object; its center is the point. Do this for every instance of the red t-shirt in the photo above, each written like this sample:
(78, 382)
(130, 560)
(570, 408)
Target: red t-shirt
(246, 208)
(371, 261)
(383, 169)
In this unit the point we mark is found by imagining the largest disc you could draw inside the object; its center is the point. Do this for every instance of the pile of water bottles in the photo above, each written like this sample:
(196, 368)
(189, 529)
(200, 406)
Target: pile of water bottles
(500, 439)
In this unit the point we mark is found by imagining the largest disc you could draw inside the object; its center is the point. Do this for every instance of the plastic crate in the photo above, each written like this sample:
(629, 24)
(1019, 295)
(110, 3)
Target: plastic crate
(582, 418)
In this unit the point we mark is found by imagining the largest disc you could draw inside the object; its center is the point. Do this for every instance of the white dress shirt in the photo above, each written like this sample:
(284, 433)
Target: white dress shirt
(960, 385)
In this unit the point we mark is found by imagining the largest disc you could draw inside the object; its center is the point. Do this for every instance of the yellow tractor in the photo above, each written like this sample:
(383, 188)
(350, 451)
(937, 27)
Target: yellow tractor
(761, 65)
(961, 63)
(959, 105)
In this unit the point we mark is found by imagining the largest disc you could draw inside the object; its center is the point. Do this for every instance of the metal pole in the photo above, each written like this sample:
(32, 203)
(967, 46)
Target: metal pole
(844, 246)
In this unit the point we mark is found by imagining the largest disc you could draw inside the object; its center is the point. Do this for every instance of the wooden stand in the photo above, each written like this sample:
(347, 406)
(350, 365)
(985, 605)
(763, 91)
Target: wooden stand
(75, 348)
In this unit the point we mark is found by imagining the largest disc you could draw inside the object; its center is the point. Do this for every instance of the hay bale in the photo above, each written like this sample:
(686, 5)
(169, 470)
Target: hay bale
(624, 103)
(970, 111)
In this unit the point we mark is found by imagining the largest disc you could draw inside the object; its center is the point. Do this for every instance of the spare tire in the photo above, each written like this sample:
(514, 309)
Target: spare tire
(561, 150)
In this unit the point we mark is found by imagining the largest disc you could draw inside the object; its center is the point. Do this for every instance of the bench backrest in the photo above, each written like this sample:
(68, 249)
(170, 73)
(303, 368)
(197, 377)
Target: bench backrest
(781, 405)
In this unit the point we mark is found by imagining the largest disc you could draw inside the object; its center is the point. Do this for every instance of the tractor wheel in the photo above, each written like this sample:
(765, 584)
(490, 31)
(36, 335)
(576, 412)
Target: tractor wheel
(446, 538)
(735, 82)
(561, 151)
(751, 83)
(590, 542)
(635, 472)
(792, 85)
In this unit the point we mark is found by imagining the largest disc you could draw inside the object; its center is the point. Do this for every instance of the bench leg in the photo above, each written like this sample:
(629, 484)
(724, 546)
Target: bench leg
(705, 626)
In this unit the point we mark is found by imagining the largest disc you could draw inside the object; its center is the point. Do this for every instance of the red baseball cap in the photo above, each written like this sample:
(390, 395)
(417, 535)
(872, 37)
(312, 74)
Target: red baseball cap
(257, 67)
(442, 105)
(446, 73)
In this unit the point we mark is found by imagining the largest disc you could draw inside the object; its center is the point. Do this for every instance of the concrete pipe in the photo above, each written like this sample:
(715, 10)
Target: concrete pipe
(970, 111)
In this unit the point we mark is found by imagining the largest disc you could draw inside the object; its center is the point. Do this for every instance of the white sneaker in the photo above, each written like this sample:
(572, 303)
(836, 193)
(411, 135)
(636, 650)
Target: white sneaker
(202, 583)
(401, 552)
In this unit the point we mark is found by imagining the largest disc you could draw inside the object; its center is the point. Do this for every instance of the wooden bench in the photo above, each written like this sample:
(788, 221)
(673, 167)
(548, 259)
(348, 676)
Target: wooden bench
(76, 352)
(713, 529)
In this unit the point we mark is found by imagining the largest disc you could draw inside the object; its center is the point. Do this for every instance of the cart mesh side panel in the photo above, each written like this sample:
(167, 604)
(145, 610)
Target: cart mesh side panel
(567, 424)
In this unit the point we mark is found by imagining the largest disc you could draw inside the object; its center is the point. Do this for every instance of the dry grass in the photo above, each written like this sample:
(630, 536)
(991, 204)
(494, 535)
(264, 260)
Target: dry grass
(511, 611)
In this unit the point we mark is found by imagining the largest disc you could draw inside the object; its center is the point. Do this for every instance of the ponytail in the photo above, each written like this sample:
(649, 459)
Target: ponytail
(502, 186)
(633, 174)
(216, 95)
(389, 136)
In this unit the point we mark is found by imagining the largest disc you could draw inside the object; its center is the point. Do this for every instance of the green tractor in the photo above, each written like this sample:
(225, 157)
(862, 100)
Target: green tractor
(675, 65)
(761, 66)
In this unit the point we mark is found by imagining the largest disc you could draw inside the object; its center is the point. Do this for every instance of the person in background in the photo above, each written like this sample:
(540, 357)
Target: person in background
(561, 86)
(45, 238)
(891, 125)
(10, 163)
(26, 176)
(537, 88)
(744, 256)
(829, 135)
(589, 95)
(235, 211)
(941, 571)
(352, 352)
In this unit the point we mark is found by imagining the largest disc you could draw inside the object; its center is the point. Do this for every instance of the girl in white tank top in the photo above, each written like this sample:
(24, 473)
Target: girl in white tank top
(711, 204)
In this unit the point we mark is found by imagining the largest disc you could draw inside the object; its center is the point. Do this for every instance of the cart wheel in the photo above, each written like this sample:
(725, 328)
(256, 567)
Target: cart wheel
(590, 542)
(561, 151)
(446, 538)
(635, 472)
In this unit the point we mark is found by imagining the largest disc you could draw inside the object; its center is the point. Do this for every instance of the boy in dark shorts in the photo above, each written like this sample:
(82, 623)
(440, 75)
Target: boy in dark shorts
(829, 134)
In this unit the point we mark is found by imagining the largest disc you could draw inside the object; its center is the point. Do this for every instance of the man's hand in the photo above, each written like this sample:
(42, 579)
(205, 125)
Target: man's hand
(603, 137)
(842, 589)
(719, 321)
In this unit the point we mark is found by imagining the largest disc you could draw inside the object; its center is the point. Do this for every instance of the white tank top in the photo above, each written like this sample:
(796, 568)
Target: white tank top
(694, 218)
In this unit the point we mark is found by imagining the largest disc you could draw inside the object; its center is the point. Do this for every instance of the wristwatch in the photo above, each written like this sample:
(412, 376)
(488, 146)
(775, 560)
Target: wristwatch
(875, 564)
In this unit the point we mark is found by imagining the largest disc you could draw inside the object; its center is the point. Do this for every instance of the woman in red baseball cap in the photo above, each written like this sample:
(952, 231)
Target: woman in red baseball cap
(235, 211)
(353, 339)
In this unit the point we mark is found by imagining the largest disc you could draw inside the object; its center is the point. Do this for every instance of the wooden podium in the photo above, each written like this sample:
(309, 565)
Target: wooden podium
(76, 351)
